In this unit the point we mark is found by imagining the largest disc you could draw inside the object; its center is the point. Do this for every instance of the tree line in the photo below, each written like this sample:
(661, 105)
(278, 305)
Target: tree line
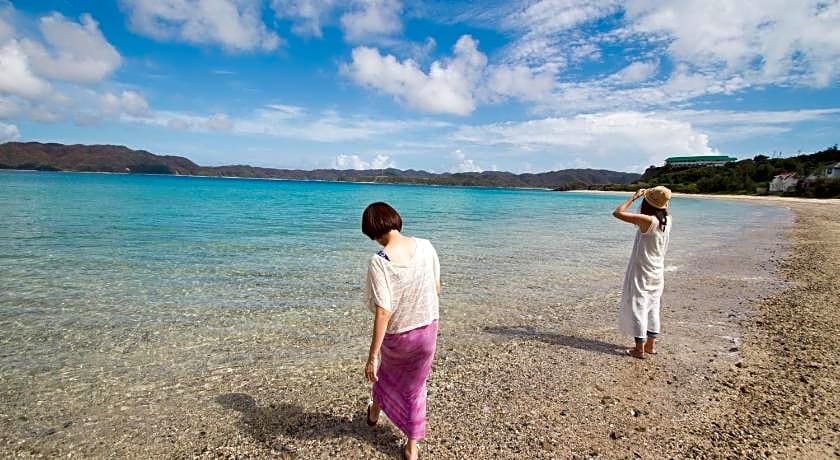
(746, 177)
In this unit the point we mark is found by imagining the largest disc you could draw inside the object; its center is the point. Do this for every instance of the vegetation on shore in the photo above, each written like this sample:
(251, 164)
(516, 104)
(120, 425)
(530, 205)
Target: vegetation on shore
(121, 159)
(744, 177)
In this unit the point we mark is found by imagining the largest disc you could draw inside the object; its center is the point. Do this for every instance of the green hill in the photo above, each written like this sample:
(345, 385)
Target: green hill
(121, 159)
(746, 177)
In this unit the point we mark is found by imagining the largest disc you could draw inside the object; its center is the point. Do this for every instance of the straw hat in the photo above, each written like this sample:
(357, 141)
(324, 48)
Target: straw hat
(658, 196)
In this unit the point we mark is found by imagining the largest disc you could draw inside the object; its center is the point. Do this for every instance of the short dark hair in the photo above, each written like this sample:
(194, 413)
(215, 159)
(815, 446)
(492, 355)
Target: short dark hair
(378, 219)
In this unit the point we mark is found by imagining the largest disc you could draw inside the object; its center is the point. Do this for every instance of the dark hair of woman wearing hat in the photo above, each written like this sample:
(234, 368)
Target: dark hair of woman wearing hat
(645, 278)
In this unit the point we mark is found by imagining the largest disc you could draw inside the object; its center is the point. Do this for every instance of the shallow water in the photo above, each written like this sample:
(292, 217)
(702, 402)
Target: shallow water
(99, 266)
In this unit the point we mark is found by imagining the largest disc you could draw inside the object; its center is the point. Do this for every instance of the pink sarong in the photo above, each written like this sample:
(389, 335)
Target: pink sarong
(405, 363)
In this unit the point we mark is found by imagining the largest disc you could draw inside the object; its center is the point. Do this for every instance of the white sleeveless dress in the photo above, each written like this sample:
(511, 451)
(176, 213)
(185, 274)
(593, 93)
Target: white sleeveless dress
(644, 281)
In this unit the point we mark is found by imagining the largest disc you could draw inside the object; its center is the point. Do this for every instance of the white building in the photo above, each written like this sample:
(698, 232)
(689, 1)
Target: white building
(833, 172)
(702, 160)
(783, 182)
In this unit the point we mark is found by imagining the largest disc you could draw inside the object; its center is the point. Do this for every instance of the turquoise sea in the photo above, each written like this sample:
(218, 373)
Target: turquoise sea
(94, 265)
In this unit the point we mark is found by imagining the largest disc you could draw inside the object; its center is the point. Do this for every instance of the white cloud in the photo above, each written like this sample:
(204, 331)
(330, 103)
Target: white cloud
(8, 132)
(133, 103)
(16, 76)
(361, 20)
(349, 162)
(178, 124)
(767, 41)
(546, 28)
(371, 19)
(621, 133)
(128, 102)
(729, 125)
(770, 117)
(586, 51)
(45, 114)
(73, 52)
(610, 93)
(421, 51)
(636, 72)
(219, 122)
(308, 15)
(291, 111)
(6, 30)
(8, 108)
(326, 127)
(380, 161)
(236, 25)
(83, 106)
(520, 82)
(454, 85)
(712, 47)
(79, 52)
(463, 164)
(449, 87)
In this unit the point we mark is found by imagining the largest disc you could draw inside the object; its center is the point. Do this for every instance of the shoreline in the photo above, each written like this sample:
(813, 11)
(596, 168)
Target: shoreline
(783, 392)
(750, 198)
(283, 179)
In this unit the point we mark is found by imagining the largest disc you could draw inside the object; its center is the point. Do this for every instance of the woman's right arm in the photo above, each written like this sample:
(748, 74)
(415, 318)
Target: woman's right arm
(640, 220)
(377, 295)
(380, 324)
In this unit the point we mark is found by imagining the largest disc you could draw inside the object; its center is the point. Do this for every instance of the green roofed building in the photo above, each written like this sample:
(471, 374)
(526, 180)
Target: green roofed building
(703, 160)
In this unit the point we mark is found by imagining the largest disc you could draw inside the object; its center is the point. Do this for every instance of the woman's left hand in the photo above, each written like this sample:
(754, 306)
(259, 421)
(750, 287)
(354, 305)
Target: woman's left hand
(370, 371)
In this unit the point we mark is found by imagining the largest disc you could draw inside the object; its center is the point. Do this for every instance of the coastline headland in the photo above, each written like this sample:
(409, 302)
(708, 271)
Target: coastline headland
(121, 159)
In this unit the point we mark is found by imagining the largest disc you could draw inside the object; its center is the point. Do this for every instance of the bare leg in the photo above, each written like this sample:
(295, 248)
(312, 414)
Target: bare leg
(638, 351)
(373, 413)
(412, 451)
(650, 346)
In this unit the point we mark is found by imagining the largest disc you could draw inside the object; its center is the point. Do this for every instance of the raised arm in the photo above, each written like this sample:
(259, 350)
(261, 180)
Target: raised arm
(640, 220)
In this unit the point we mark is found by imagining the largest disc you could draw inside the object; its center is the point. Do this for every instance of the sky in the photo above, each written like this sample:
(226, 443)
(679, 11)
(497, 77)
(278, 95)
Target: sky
(522, 86)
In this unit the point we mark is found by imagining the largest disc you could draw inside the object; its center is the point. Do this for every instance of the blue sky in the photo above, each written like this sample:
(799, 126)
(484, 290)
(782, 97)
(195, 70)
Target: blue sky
(444, 86)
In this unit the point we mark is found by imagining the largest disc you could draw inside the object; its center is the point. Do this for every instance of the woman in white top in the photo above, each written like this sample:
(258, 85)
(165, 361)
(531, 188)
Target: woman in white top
(402, 287)
(645, 278)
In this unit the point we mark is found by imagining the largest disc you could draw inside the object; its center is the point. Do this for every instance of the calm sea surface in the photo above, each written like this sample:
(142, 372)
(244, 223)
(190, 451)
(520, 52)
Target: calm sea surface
(87, 260)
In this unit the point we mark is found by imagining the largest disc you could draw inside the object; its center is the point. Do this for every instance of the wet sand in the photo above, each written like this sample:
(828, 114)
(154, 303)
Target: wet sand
(748, 367)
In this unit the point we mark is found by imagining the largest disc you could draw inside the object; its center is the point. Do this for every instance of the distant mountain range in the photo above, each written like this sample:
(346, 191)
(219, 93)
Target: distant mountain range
(121, 159)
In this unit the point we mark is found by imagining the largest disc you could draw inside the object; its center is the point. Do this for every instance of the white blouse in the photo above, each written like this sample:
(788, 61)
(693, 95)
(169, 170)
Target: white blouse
(408, 291)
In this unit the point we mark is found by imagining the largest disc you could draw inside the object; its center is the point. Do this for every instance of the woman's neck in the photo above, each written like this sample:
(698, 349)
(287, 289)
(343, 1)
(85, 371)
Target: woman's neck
(391, 238)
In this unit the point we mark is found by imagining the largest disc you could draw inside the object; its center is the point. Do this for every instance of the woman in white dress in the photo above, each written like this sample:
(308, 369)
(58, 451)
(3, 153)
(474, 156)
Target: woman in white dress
(645, 278)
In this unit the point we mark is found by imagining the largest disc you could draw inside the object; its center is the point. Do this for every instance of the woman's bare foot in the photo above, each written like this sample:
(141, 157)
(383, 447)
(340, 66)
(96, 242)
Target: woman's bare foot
(636, 352)
(650, 346)
(373, 413)
(411, 451)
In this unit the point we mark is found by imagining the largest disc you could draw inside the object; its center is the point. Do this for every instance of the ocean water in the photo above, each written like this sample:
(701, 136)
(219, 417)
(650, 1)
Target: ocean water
(98, 268)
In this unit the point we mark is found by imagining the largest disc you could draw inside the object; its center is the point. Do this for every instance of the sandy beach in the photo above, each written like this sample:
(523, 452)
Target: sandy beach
(748, 367)
(201, 201)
